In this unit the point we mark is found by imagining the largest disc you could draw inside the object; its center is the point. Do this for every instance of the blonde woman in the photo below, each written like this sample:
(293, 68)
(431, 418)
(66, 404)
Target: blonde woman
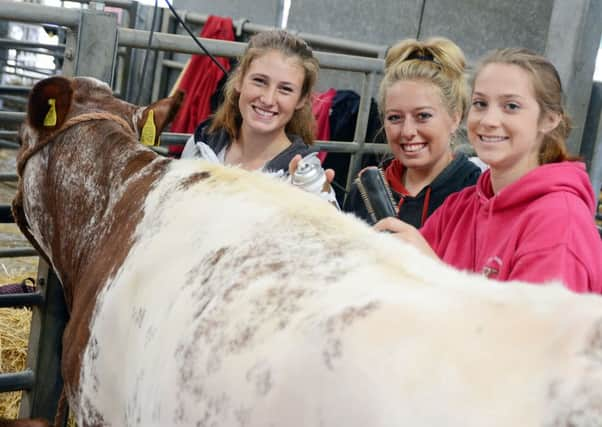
(423, 97)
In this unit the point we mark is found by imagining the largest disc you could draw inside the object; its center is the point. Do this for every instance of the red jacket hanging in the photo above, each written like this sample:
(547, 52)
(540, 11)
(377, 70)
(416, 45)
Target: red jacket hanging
(321, 104)
(201, 77)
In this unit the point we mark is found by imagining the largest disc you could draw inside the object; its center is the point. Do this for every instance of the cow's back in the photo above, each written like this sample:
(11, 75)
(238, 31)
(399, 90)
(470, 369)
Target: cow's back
(244, 302)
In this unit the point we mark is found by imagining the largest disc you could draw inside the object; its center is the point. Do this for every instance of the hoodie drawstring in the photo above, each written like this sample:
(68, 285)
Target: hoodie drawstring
(401, 200)
(425, 205)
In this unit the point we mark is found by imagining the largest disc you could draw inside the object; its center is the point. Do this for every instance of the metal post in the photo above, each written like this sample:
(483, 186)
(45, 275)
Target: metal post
(3, 34)
(352, 47)
(128, 59)
(591, 148)
(161, 70)
(39, 47)
(184, 44)
(28, 12)
(361, 127)
(96, 5)
(96, 50)
(11, 116)
(572, 43)
(69, 61)
(45, 347)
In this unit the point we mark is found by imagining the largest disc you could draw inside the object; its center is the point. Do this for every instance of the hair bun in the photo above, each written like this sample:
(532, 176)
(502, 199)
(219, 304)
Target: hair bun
(437, 60)
(439, 50)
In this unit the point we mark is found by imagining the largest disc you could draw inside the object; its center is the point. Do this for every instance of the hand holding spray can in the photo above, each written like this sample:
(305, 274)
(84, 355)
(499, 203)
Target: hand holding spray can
(310, 176)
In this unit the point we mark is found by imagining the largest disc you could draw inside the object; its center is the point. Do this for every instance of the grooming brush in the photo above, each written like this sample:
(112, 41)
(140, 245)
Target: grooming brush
(376, 194)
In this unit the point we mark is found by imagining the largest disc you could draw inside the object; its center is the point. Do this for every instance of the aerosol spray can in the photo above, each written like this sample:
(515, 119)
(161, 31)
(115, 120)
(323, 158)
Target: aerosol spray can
(310, 177)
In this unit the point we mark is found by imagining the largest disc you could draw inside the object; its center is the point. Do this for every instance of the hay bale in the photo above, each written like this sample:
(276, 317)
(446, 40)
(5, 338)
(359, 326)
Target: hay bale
(14, 323)
(14, 338)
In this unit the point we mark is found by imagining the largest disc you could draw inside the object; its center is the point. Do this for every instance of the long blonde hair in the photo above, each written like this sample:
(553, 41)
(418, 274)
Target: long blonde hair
(438, 61)
(303, 122)
(548, 94)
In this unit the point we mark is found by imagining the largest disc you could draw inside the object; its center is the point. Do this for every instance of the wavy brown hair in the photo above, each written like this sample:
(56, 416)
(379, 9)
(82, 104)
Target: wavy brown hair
(302, 123)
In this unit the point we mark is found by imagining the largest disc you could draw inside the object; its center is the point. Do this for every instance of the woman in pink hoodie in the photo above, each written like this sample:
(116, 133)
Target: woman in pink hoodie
(530, 217)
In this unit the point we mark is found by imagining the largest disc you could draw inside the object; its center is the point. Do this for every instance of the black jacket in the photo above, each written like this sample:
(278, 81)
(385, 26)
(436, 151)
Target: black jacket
(219, 139)
(460, 173)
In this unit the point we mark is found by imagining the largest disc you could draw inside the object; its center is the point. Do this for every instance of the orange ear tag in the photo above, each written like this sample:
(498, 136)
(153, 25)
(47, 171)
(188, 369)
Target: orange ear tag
(149, 130)
(50, 119)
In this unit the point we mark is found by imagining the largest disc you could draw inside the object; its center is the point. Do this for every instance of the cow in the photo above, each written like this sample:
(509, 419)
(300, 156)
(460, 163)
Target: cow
(204, 295)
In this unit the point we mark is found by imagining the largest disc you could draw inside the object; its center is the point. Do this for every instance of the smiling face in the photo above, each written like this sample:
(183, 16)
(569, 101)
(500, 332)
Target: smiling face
(270, 92)
(505, 124)
(418, 126)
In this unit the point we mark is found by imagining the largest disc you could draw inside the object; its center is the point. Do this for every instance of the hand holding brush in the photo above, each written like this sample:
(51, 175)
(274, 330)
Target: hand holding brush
(375, 194)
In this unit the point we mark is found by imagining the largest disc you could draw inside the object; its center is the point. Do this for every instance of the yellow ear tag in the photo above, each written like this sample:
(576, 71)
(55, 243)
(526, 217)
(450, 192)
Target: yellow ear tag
(50, 119)
(149, 130)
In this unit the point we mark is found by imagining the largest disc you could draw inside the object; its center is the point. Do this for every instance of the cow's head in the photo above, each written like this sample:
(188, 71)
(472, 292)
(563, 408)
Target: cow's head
(54, 100)
(57, 107)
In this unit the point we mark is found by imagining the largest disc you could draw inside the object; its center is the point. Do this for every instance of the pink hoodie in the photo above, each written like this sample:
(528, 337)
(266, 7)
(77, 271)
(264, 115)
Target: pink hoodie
(538, 229)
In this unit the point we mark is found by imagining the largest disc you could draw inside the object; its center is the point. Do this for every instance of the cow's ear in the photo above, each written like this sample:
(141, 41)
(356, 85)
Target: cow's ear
(157, 116)
(49, 103)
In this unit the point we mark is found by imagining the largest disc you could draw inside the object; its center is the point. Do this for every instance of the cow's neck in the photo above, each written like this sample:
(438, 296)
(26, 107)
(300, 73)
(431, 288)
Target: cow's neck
(95, 178)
